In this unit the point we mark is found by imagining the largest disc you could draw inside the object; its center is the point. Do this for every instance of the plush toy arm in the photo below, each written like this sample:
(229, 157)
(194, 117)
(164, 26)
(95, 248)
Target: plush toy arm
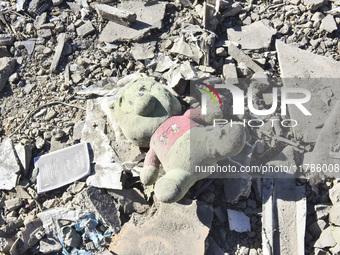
(196, 115)
(150, 170)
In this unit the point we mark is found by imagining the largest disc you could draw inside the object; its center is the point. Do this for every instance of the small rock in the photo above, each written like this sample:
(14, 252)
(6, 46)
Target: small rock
(317, 16)
(50, 114)
(328, 24)
(7, 66)
(142, 51)
(85, 29)
(71, 237)
(49, 245)
(234, 9)
(39, 142)
(13, 204)
(221, 52)
(238, 221)
(325, 239)
(313, 4)
(44, 33)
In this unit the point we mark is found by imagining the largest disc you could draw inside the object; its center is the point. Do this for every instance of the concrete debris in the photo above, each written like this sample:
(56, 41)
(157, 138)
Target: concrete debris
(102, 205)
(334, 194)
(28, 44)
(260, 33)
(58, 51)
(71, 238)
(233, 10)
(238, 221)
(162, 63)
(326, 146)
(7, 66)
(191, 51)
(240, 57)
(85, 29)
(142, 51)
(148, 17)
(237, 188)
(49, 245)
(314, 72)
(328, 24)
(130, 200)
(9, 167)
(230, 74)
(13, 204)
(326, 239)
(168, 232)
(24, 153)
(62, 167)
(123, 17)
(107, 176)
(313, 4)
(334, 214)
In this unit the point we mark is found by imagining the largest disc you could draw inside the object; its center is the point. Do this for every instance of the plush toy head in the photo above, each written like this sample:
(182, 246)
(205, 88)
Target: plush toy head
(143, 105)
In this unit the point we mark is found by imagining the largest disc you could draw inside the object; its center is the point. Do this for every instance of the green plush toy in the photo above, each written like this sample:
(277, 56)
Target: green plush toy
(149, 116)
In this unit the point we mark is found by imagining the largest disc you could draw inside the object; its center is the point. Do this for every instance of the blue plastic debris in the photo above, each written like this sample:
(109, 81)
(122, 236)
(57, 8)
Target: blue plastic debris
(88, 224)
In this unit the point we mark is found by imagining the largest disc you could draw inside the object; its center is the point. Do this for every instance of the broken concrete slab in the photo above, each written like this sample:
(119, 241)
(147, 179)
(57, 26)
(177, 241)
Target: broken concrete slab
(187, 49)
(7, 66)
(28, 44)
(326, 149)
(120, 16)
(107, 176)
(142, 51)
(9, 167)
(148, 17)
(162, 63)
(260, 32)
(328, 24)
(238, 221)
(58, 52)
(169, 231)
(102, 205)
(86, 29)
(240, 57)
(62, 167)
(315, 73)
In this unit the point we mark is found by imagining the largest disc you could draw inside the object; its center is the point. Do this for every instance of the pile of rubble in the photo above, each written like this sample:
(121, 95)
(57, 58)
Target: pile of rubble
(62, 63)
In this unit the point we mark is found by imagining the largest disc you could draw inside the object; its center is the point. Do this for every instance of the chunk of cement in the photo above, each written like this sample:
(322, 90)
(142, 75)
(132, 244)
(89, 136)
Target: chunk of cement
(230, 74)
(260, 33)
(240, 57)
(169, 231)
(142, 51)
(7, 66)
(58, 51)
(120, 16)
(148, 17)
(326, 150)
(49, 245)
(187, 49)
(325, 239)
(302, 69)
(238, 221)
(9, 167)
(85, 29)
(62, 167)
(328, 24)
(313, 4)
(106, 176)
